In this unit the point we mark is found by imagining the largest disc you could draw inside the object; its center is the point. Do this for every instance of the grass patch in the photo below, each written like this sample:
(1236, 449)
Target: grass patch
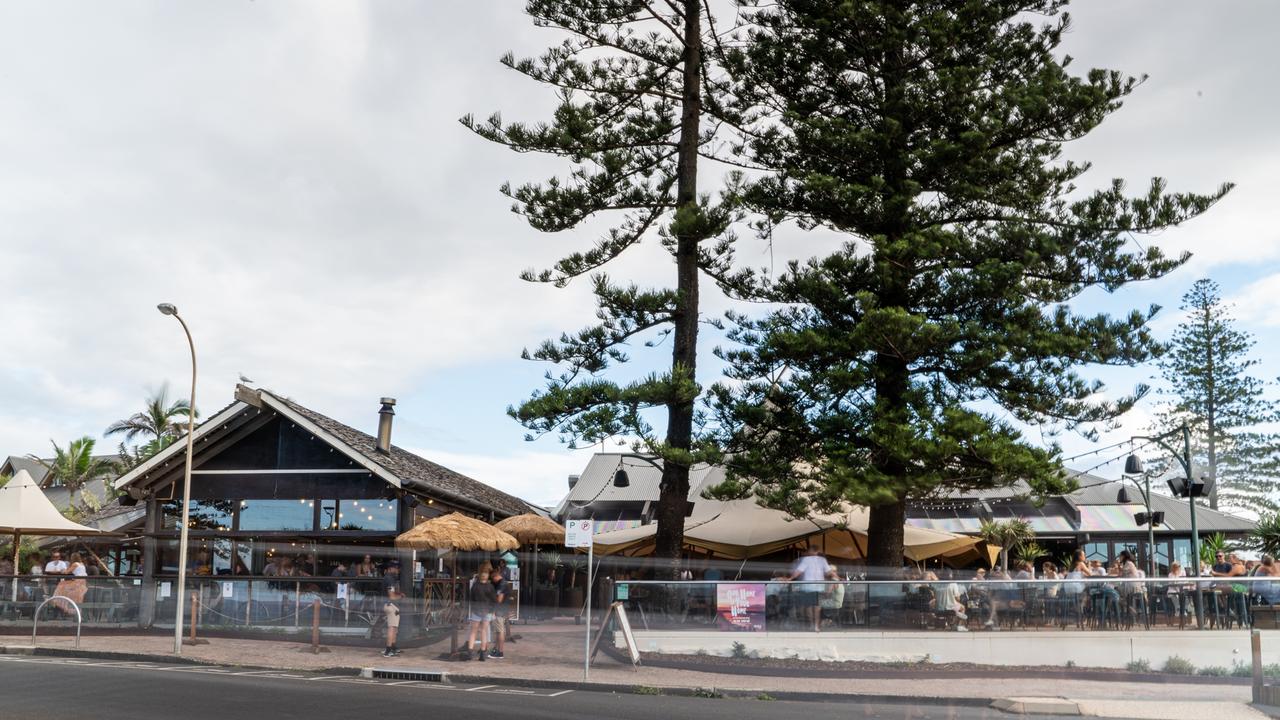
(765, 697)
(1213, 671)
(645, 690)
(1178, 665)
(1239, 669)
(1141, 665)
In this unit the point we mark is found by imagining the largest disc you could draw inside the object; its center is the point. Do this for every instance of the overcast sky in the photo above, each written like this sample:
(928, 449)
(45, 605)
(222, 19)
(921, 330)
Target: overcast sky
(292, 175)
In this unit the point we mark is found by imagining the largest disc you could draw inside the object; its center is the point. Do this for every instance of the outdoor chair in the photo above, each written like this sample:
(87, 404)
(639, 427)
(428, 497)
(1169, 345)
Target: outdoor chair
(1071, 608)
(1106, 608)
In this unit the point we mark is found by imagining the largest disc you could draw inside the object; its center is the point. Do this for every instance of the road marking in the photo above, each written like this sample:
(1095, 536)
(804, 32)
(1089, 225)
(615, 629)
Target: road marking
(406, 682)
(329, 677)
(558, 694)
(254, 672)
(480, 687)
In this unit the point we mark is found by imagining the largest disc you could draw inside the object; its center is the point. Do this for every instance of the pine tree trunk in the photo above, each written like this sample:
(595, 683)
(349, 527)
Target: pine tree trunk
(673, 497)
(885, 537)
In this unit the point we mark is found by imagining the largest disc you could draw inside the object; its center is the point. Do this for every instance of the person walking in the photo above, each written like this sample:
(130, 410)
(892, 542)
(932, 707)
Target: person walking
(811, 569)
(480, 615)
(501, 597)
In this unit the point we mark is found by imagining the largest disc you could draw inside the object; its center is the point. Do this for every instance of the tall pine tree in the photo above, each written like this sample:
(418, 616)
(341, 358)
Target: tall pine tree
(930, 133)
(1208, 370)
(642, 101)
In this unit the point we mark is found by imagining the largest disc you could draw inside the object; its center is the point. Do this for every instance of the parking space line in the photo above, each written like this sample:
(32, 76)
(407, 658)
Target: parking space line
(558, 694)
(481, 687)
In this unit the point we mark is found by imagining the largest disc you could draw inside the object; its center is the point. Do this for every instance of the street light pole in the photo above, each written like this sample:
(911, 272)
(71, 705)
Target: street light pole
(1184, 459)
(168, 309)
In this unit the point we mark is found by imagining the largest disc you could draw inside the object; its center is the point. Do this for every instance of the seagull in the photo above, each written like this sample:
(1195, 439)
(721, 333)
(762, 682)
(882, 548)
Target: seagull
(245, 380)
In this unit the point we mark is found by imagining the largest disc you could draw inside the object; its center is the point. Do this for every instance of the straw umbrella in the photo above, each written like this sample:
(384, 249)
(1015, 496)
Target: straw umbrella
(535, 529)
(456, 531)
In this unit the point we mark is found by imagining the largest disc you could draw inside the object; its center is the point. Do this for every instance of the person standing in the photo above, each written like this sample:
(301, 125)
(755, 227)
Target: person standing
(501, 595)
(811, 569)
(480, 615)
(391, 611)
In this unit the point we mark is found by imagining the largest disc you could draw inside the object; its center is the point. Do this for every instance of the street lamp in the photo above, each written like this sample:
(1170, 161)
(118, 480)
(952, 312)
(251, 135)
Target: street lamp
(1132, 467)
(169, 309)
(1180, 488)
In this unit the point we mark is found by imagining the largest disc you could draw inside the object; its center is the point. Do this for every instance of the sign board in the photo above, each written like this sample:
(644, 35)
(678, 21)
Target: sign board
(228, 589)
(165, 590)
(616, 610)
(341, 593)
(577, 533)
(740, 606)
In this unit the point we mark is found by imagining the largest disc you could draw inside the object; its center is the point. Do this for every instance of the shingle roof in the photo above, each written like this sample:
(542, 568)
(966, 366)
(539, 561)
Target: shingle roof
(408, 466)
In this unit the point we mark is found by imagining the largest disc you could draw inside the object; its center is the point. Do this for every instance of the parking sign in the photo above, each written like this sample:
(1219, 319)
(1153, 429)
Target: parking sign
(577, 533)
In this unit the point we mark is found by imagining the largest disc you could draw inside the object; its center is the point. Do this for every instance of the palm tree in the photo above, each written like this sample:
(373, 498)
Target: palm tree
(159, 419)
(1265, 536)
(74, 468)
(1008, 535)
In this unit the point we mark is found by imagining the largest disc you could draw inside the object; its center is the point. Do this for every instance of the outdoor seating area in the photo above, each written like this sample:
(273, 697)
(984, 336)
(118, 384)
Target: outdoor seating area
(974, 603)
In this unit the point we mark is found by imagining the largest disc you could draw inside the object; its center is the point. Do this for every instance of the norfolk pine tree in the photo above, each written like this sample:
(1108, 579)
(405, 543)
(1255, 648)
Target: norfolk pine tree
(1207, 368)
(640, 102)
(930, 133)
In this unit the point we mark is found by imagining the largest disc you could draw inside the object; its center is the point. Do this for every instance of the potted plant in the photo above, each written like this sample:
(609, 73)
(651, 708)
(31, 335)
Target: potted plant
(574, 596)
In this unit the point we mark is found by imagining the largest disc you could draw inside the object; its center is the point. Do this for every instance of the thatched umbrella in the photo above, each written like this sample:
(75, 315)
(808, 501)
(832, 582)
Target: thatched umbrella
(456, 531)
(535, 529)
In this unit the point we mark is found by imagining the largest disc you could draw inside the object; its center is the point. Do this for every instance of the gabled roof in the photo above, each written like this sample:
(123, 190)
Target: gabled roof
(399, 468)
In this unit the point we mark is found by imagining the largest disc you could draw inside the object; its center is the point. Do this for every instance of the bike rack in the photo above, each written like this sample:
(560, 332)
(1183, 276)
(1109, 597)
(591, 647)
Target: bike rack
(35, 617)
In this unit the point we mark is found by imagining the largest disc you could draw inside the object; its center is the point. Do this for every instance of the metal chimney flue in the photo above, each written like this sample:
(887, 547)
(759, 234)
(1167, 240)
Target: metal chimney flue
(385, 415)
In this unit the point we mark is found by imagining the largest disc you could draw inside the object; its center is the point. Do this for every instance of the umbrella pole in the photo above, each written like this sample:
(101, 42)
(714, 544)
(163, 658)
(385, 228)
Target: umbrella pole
(17, 537)
(453, 591)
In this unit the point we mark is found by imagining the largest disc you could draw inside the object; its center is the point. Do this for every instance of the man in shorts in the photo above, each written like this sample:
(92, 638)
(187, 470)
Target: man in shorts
(811, 570)
(391, 610)
(501, 592)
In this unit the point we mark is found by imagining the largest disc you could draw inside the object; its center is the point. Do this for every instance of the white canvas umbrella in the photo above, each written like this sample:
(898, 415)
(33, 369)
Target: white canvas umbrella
(24, 510)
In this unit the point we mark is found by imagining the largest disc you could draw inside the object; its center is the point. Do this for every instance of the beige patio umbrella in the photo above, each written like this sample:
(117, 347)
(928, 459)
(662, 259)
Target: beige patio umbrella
(24, 510)
(742, 529)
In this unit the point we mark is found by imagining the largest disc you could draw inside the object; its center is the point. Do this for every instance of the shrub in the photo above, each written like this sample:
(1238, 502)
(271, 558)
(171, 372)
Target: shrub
(1178, 665)
(739, 650)
(1239, 669)
(1071, 663)
(1272, 670)
(1213, 671)
(1141, 665)
(708, 693)
(765, 697)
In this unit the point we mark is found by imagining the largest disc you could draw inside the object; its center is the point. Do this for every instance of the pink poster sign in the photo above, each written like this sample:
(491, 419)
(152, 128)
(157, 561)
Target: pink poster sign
(740, 606)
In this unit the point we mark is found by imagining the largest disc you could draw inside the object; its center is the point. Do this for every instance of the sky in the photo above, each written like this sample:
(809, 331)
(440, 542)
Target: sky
(293, 176)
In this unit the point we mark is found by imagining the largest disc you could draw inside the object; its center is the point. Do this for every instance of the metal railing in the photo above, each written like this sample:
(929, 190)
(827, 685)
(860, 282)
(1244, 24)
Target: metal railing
(1090, 603)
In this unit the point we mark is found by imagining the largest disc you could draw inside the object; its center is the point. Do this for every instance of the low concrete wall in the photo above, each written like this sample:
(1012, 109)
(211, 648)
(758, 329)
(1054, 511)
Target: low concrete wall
(1051, 648)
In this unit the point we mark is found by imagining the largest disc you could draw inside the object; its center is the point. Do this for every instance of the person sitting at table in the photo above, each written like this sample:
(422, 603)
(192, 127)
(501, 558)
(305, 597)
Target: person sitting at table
(832, 599)
(949, 598)
(6, 566)
(56, 565)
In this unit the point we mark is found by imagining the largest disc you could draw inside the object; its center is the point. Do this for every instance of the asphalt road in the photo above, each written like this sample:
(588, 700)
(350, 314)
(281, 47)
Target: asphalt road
(37, 688)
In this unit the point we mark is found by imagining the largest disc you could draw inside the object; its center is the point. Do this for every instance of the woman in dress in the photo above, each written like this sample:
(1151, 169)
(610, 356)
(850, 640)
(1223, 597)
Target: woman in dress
(74, 586)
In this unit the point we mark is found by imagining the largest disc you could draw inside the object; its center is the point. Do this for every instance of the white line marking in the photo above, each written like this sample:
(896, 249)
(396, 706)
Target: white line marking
(254, 672)
(330, 677)
(558, 694)
(481, 687)
(405, 682)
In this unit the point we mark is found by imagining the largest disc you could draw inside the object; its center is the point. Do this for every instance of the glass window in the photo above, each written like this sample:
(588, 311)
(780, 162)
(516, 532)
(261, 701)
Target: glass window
(277, 514)
(328, 514)
(204, 514)
(1182, 553)
(1098, 551)
(367, 515)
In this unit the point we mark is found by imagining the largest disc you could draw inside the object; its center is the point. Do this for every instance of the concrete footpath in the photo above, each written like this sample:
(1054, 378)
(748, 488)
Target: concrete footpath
(552, 654)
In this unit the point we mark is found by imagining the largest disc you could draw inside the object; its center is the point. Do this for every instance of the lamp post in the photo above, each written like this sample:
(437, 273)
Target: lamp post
(1133, 467)
(1184, 459)
(168, 309)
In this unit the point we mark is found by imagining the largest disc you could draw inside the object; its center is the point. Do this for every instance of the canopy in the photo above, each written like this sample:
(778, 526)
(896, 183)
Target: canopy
(25, 510)
(742, 529)
(532, 528)
(457, 532)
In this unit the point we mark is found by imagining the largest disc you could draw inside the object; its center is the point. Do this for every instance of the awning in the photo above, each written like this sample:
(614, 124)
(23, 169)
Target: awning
(25, 510)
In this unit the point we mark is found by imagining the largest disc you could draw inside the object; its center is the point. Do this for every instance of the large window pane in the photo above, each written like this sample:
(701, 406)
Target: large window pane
(204, 514)
(277, 514)
(369, 515)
